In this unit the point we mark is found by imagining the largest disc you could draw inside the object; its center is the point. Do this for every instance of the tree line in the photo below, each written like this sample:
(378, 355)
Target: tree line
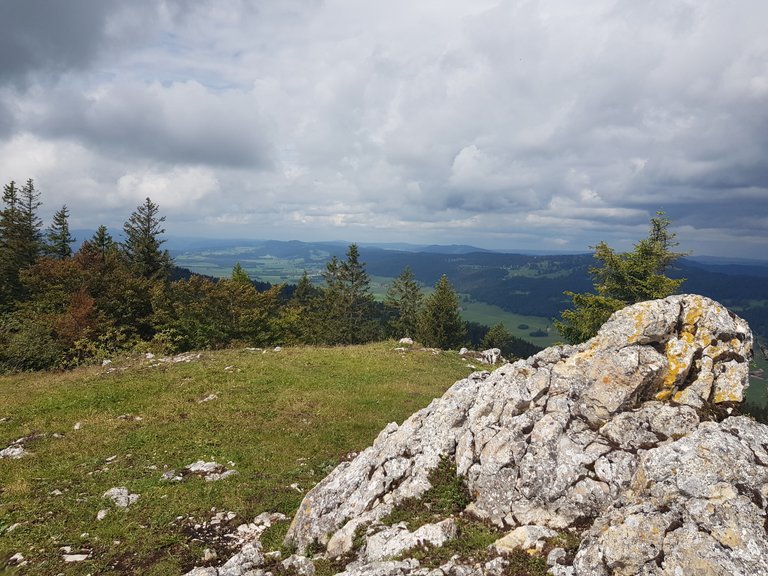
(61, 308)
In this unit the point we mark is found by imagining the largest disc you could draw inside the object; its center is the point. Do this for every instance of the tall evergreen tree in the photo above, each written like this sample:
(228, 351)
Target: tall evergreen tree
(441, 325)
(348, 302)
(58, 236)
(405, 298)
(240, 275)
(102, 242)
(623, 279)
(142, 242)
(20, 237)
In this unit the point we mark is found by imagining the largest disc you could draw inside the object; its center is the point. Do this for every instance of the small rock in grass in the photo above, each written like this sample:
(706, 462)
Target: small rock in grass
(208, 398)
(13, 452)
(77, 426)
(75, 557)
(101, 514)
(17, 558)
(171, 475)
(209, 555)
(120, 496)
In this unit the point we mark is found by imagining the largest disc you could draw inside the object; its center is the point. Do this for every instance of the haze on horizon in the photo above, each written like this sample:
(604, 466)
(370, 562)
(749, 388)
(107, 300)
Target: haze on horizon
(515, 125)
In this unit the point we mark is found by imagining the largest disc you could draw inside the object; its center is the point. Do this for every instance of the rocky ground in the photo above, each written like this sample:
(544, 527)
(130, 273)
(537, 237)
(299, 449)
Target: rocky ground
(618, 456)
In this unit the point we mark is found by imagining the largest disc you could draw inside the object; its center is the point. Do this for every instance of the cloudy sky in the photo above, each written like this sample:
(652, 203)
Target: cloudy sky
(517, 124)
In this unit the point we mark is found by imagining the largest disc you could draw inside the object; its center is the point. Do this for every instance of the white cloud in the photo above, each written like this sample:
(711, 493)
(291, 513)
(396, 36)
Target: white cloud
(498, 121)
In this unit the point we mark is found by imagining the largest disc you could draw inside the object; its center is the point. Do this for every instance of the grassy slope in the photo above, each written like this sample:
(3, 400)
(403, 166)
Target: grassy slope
(282, 417)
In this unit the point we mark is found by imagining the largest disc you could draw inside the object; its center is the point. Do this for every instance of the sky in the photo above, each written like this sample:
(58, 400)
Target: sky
(515, 125)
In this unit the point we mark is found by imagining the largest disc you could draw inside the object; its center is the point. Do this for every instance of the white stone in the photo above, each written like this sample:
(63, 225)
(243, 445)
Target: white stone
(524, 538)
(13, 452)
(120, 496)
(75, 557)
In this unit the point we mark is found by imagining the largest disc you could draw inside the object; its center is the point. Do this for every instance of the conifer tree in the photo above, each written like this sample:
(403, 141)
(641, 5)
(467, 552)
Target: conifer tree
(102, 242)
(142, 242)
(405, 298)
(305, 292)
(347, 301)
(240, 275)
(58, 236)
(623, 279)
(20, 237)
(440, 324)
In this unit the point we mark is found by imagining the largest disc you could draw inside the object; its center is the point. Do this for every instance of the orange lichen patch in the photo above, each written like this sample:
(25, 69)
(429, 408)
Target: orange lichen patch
(640, 321)
(583, 356)
(728, 393)
(664, 395)
(693, 314)
(679, 354)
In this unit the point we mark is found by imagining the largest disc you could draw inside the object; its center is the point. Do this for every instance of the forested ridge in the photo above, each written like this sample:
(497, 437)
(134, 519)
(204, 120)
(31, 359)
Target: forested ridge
(61, 308)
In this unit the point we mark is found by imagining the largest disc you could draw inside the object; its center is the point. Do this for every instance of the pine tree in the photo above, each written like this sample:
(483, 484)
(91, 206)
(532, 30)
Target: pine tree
(405, 298)
(102, 242)
(305, 291)
(347, 301)
(440, 324)
(240, 275)
(59, 239)
(623, 279)
(142, 243)
(20, 237)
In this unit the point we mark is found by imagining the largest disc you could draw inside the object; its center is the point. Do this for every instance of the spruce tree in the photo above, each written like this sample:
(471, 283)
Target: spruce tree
(58, 236)
(20, 237)
(347, 301)
(102, 242)
(142, 242)
(622, 279)
(240, 275)
(440, 324)
(405, 298)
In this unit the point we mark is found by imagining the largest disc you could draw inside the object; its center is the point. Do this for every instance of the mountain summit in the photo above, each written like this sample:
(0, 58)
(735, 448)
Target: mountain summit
(625, 440)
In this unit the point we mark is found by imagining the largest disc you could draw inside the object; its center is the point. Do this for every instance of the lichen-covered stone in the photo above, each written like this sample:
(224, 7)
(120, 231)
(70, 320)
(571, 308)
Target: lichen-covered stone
(619, 433)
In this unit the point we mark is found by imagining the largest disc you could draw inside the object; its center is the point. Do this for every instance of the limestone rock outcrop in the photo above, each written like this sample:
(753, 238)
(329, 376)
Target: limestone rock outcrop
(559, 439)
(627, 438)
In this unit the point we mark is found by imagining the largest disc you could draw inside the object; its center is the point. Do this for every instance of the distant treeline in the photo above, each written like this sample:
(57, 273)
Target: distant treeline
(60, 308)
(496, 279)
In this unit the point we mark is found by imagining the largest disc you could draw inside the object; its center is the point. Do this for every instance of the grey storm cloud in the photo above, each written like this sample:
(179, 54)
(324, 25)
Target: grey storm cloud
(505, 123)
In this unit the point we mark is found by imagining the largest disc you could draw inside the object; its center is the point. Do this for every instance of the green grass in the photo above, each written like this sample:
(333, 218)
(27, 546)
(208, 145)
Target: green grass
(491, 315)
(283, 418)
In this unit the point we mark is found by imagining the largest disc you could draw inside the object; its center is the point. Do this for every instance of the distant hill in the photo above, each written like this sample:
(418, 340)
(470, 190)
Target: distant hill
(519, 283)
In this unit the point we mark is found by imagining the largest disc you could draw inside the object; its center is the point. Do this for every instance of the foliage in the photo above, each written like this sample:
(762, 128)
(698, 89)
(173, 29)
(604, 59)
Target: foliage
(511, 346)
(142, 242)
(101, 244)
(622, 279)
(58, 236)
(347, 302)
(448, 495)
(240, 275)
(20, 237)
(440, 323)
(405, 298)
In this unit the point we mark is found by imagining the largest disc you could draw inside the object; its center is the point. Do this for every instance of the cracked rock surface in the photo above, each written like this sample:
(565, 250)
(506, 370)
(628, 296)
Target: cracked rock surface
(625, 437)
